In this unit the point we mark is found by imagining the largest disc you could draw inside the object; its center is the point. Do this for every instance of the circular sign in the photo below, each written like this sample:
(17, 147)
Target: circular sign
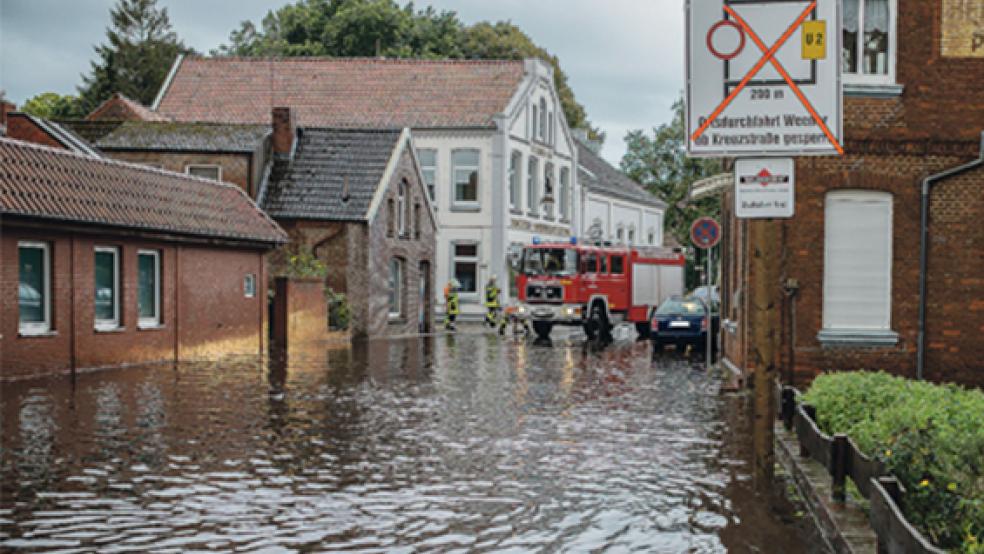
(710, 40)
(705, 233)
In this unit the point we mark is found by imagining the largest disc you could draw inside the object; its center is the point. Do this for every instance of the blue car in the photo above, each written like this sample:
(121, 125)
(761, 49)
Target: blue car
(682, 322)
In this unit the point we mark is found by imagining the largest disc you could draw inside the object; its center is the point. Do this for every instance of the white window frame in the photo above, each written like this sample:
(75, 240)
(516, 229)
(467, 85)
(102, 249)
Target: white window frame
(471, 205)
(249, 285)
(431, 170)
(859, 196)
(532, 186)
(535, 117)
(189, 167)
(37, 327)
(396, 288)
(155, 321)
(565, 194)
(550, 128)
(548, 177)
(515, 182)
(861, 78)
(542, 134)
(476, 259)
(114, 323)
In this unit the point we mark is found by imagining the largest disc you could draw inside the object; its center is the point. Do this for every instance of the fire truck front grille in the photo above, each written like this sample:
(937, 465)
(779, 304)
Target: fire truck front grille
(544, 293)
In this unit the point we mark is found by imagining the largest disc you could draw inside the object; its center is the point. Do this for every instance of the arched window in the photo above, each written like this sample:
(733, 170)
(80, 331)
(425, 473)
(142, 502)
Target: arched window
(416, 220)
(632, 234)
(534, 122)
(548, 188)
(390, 217)
(401, 208)
(543, 119)
(532, 192)
(620, 233)
(515, 185)
(397, 287)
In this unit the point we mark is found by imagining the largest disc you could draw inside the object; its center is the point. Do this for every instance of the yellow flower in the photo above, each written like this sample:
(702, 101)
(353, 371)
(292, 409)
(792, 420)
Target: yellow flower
(888, 453)
(952, 487)
(924, 483)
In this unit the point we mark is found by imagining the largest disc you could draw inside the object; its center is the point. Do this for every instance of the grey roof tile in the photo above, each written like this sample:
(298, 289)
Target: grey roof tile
(198, 137)
(602, 178)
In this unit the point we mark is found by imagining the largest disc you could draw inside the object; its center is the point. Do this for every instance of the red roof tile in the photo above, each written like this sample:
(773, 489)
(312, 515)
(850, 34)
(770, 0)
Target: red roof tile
(120, 108)
(49, 183)
(343, 92)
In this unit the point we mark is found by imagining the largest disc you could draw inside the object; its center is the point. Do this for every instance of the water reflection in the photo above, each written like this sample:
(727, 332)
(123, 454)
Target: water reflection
(474, 442)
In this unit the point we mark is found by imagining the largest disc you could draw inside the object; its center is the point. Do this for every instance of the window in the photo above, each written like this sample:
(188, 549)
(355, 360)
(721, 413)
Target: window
(535, 119)
(465, 174)
(107, 280)
(631, 235)
(396, 288)
(869, 41)
(213, 172)
(428, 167)
(514, 183)
(548, 173)
(249, 285)
(565, 193)
(618, 265)
(148, 288)
(651, 237)
(857, 274)
(465, 264)
(550, 128)
(602, 263)
(34, 287)
(532, 192)
(416, 220)
(620, 234)
(589, 263)
(401, 208)
(542, 131)
(390, 217)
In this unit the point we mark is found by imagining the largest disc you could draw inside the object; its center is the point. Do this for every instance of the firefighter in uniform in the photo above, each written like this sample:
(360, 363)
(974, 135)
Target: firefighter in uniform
(492, 303)
(451, 307)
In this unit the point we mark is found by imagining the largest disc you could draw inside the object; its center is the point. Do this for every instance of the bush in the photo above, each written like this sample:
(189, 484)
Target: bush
(931, 437)
(338, 310)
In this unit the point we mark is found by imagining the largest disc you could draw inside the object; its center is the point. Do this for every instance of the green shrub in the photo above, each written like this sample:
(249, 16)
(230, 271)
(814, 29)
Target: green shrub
(931, 437)
(338, 310)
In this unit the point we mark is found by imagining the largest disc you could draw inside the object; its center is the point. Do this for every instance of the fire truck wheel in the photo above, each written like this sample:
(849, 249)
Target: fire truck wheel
(643, 328)
(542, 329)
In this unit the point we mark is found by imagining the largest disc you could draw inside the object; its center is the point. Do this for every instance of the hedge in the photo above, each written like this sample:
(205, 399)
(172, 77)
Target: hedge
(931, 437)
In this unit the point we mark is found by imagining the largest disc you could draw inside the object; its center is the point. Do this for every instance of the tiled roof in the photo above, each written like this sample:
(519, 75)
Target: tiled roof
(325, 164)
(342, 92)
(91, 131)
(48, 183)
(118, 107)
(599, 176)
(198, 137)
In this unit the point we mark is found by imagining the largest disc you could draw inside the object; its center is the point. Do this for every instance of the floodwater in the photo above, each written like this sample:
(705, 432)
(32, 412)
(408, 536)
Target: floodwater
(449, 443)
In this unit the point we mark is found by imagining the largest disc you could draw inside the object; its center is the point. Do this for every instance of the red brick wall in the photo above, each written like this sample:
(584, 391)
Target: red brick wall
(236, 168)
(20, 127)
(208, 308)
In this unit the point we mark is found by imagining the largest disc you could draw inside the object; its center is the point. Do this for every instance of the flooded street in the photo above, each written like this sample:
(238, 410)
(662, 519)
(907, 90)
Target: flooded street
(449, 443)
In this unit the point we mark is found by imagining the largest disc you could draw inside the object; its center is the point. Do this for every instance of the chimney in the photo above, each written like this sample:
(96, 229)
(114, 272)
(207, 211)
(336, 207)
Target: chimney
(583, 136)
(5, 108)
(283, 132)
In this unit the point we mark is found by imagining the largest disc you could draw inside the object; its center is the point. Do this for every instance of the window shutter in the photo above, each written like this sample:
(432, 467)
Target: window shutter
(858, 261)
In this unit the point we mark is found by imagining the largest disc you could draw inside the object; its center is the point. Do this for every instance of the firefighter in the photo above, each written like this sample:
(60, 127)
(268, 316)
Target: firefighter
(451, 308)
(492, 303)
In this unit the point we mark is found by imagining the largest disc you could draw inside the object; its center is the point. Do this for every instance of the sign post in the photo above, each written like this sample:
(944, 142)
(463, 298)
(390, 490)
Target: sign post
(705, 233)
(763, 80)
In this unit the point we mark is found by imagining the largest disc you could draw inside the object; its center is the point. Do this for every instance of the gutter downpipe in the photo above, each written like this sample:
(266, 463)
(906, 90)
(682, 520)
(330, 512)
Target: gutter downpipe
(927, 185)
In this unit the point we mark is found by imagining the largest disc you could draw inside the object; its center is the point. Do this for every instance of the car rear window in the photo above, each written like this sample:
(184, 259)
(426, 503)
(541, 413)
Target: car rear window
(681, 307)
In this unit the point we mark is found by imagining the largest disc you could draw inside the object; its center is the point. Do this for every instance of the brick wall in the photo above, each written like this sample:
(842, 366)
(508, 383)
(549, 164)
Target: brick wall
(236, 168)
(20, 127)
(892, 144)
(201, 300)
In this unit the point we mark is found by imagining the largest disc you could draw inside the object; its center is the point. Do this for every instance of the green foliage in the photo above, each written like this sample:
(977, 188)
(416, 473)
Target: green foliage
(135, 60)
(660, 163)
(382, 28)
(51, 105)
(929, 436)
(339, 313)
(304, 264)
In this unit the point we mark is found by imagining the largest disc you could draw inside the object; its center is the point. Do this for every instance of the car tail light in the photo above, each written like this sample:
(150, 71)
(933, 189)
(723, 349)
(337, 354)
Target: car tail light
(703, 324)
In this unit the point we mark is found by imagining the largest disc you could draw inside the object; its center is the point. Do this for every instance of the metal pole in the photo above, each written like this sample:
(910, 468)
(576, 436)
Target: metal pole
(707, 310)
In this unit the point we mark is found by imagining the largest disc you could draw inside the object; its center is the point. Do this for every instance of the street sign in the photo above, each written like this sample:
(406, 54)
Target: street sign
(763, 78)
(705, 233)
(764, 187)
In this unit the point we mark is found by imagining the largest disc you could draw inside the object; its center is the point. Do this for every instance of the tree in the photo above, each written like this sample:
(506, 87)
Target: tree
(383, 28)
(51, 105)
(135, 60)
(660, 163)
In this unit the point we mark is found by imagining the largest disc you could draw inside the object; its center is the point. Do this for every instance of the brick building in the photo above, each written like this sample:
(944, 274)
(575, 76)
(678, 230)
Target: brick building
(104, 263)
(914, 114)
(357, 200)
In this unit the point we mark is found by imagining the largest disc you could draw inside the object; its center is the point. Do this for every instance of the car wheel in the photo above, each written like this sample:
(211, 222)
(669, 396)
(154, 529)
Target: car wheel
(644, 329)
(542, 329)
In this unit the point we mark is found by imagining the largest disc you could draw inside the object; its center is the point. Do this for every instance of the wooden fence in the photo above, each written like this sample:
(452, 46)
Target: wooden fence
(843, 459)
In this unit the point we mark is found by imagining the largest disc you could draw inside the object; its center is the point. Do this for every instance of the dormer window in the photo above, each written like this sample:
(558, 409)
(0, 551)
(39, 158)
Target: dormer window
(869, 41)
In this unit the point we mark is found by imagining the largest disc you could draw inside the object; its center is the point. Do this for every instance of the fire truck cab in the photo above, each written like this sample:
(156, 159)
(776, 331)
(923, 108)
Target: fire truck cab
(595, 286)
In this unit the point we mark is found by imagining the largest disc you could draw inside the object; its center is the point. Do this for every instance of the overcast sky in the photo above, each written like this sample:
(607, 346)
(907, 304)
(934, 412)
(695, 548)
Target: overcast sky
(624, 58)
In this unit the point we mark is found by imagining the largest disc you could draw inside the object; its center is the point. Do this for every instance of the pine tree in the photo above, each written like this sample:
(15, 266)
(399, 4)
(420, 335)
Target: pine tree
(139, 51)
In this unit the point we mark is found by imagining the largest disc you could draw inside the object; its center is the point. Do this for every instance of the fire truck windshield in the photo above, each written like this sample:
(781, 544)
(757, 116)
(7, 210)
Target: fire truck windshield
(555, 262)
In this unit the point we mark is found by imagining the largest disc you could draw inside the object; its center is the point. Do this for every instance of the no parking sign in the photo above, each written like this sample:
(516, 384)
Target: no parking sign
(705, 233)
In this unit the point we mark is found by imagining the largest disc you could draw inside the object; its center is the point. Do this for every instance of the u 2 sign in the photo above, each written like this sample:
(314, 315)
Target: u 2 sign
(764, 188)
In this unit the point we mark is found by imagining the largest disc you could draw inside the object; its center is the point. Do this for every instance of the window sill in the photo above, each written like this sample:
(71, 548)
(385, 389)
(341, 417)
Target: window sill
(151, 327)
(396, 320)
(24, 334)
(533, 215)
(466, 208)
(117, 329)
(862, 338)
(873, 90)
(515, 211)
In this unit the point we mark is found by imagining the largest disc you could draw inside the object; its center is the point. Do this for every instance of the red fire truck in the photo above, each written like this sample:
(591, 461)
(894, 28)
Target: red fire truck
(595, 286)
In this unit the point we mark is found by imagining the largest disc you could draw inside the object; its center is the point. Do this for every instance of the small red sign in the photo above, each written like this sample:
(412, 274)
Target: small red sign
(705, 233)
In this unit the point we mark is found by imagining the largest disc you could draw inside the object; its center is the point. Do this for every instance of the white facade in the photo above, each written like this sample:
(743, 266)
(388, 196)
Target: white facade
(620, 221)
(487, 204)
